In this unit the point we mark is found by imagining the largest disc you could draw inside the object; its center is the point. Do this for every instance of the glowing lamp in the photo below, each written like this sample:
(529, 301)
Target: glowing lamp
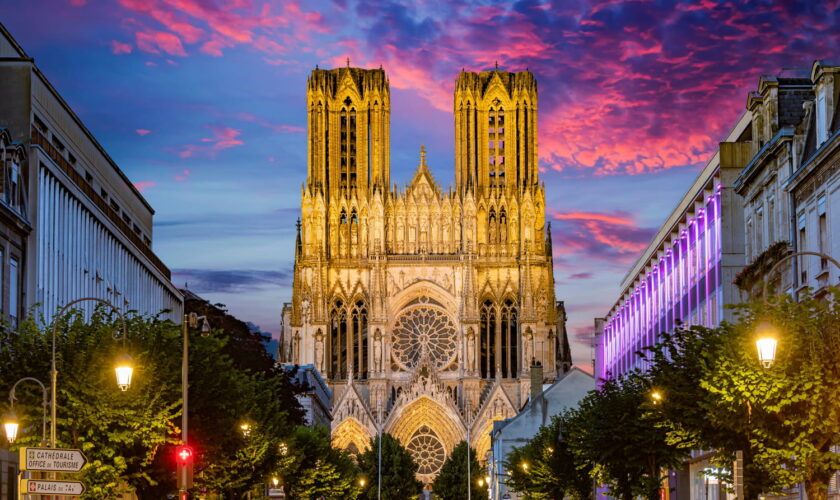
(275, 481)
(766, 350)
(480, 482)
(246, 429)
(11, 424)
(124, 370)
(362, 482)
(525, 466)
(656, 396)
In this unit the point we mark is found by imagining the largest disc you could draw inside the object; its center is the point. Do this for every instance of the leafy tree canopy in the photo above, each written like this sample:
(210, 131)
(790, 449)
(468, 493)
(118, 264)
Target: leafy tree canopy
(451, 483)
(398, 470)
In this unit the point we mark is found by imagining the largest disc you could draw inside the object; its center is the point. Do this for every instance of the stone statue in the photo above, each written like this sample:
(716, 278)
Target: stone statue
(471, 349)
(319, 350)
(377, 351)
(296, 347)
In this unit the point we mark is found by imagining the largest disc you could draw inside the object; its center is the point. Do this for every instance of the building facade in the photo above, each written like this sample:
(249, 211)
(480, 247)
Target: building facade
(72, 224)
(315, 400)
(423, 307)
(545, 403)
(685, 274)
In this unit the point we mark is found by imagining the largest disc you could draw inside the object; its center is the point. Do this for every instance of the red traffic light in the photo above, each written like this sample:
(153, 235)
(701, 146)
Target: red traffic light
(184, 455)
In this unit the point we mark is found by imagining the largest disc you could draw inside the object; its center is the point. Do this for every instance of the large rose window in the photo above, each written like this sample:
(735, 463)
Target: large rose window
(424, 330)
(427, 451)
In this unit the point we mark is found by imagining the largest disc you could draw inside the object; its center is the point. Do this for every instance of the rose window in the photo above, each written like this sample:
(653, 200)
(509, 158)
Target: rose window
(427, 451)
(424, 330)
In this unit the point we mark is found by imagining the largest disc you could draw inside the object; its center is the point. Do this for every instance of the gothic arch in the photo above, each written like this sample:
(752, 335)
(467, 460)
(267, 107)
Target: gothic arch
(351, 432)
(405, 422)
(422, 288)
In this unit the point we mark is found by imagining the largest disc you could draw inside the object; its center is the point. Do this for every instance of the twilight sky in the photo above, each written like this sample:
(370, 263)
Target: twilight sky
(202, 103)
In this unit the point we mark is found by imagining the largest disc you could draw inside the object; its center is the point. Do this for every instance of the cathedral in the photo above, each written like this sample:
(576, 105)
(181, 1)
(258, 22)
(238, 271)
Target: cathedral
(424, 308)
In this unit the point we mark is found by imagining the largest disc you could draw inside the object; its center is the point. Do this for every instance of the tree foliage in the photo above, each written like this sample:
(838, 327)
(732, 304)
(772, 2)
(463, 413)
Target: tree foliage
(792, 408)
(615, 431)
(553, 470)
(451, 482)
(398, 470)
(119, 432)
(310, 467)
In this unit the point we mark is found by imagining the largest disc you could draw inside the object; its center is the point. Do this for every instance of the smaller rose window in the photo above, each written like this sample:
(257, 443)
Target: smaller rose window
(427, 451)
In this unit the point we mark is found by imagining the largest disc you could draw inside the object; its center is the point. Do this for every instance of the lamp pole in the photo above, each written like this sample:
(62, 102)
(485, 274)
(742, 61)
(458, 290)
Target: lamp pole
(787, 258)
(190, 320)
(45, 403)
(54, 372)
(469, 428)
(379, 451)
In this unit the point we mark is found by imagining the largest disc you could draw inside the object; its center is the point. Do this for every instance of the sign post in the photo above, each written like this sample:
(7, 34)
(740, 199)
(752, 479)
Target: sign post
(52, 459)
(50, 487)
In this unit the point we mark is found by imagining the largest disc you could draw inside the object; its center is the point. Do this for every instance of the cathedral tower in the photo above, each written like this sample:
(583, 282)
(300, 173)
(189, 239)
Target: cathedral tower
(495, 130)
(348, 133)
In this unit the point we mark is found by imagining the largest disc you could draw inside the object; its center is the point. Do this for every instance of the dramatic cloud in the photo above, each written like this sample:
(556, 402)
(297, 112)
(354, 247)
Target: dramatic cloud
(216, 281)
(609, 236)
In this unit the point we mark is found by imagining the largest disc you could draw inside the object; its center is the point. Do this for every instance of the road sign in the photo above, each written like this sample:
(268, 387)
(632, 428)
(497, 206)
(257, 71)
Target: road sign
(52, 459)
(41, 487)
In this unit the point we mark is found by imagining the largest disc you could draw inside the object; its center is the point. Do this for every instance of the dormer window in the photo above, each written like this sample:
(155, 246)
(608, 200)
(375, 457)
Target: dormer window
(822, 121)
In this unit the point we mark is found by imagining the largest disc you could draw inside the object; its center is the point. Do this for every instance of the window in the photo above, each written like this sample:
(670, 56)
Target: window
(803, 246)
(822, 133)
(358, 316)
(771, 219)
(14, 290)
(510, 340)
(488, 340)
(823, 228)
(759, 228)
(338, 341)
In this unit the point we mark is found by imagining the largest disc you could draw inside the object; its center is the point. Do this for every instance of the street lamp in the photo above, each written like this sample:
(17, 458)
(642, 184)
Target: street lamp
(362, 482)
(275, 481)
(245, 428)
(10, 421)
(766, 343)
(122, 369)
(656, 396)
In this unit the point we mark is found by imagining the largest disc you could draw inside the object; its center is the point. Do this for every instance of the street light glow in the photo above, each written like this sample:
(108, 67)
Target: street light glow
(11, 425)
(246, 429)
(275, 481)
(124, 370)
(362, 482)
(480, 482)
(656, 396)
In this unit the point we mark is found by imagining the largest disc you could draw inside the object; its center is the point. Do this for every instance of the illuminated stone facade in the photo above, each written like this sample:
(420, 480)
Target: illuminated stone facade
(423, 307)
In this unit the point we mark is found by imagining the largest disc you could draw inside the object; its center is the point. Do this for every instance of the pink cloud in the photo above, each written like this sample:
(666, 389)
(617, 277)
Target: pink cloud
(609, 236)
(156, 41)
(120, 48)
(78, 3)
(144, 185)
(142, 132)
(222, 138)
(182, 176)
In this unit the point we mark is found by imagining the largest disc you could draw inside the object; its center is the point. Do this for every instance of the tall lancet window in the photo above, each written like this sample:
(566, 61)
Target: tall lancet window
(488, 340)
(358, 320)
(338, 341)
(510, 339)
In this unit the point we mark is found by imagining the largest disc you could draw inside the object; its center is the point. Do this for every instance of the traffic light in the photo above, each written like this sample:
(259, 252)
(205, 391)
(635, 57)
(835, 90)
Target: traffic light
(184, 459)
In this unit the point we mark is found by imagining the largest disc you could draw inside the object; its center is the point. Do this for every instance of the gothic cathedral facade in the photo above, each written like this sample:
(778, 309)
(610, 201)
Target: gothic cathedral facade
(423, 308)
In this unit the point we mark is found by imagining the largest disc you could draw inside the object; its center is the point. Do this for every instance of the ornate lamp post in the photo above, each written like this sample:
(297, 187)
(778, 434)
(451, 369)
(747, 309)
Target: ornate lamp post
(124, 367)
(11, 422)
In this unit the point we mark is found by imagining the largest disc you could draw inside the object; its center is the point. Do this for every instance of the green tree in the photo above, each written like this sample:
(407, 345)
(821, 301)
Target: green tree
(680, 362)
(451, 482)
(310, 467)
(398, 470)
(616, 433)
(792, 409)
(120, 432)
(552, 469)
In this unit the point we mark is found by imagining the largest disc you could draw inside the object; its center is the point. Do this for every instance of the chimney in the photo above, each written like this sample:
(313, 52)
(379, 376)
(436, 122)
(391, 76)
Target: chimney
(536, 379)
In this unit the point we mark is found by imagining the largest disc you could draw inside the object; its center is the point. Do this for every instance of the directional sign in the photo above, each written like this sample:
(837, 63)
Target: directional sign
(52, 459)
(38, 486)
